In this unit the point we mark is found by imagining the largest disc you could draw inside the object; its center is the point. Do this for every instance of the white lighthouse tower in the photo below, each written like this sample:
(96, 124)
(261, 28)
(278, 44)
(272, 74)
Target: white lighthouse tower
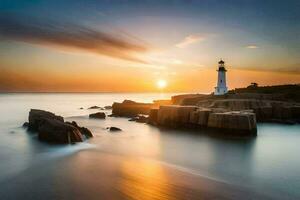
(221, 84)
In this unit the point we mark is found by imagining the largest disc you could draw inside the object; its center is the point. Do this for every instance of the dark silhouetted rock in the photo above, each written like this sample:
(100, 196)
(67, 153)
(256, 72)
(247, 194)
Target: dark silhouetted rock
(113, 129)
(81, 108)
(94, 107)
(83, 130)
(153, 116)
(52, 128)
(26, 124)
(37, 116)
(55, 131)
(98, 115)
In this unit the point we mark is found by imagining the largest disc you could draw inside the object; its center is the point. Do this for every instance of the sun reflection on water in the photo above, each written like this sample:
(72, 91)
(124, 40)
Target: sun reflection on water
(144, 179)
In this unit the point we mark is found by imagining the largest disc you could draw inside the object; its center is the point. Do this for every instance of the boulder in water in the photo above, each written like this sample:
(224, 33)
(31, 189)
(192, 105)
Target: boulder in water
(37, 116)
(55, 131)
(52, 128)
(98, 115)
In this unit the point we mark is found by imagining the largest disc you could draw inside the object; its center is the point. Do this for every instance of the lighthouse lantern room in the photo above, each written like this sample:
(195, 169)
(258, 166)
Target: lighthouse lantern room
(221, 84)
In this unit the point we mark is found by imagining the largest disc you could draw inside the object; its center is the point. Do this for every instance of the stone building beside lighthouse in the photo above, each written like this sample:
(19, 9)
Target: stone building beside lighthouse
(221, 87)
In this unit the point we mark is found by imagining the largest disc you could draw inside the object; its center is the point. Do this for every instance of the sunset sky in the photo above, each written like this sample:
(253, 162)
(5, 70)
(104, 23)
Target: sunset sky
(129, 46)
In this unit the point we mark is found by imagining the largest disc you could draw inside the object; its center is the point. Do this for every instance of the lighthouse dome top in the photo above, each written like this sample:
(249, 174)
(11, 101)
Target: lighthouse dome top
(221, 62)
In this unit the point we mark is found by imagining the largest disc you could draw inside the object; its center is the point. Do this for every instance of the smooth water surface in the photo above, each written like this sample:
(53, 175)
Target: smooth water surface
(142, 161)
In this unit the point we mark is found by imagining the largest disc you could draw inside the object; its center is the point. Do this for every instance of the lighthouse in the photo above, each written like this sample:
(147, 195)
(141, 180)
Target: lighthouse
(221, 84)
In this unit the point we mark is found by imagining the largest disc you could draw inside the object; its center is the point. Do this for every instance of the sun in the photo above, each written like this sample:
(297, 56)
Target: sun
(161, 84)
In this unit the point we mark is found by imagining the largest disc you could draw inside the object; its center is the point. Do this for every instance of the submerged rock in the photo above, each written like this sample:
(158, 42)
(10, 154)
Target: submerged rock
(107, 107)
(113, 128)
(98, 115)
(94, 107)
(52, 128)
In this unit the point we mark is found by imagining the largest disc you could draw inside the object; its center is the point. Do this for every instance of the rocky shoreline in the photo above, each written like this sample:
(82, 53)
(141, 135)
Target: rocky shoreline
(234, 114)
(231, 115)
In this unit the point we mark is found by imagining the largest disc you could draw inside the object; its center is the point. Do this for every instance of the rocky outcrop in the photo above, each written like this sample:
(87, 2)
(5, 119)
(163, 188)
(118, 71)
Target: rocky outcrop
(131, 109)
(98, 115)
(162, 102)
(265, 110)
(174, 116)
(199, 117)
(240, 123)
(152, 119)
(182, 99)
(54, 131)
(37, 116)
(243, 122)
(52, 128)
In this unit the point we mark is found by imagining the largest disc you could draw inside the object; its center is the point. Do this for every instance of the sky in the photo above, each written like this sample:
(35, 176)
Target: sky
(130, 46)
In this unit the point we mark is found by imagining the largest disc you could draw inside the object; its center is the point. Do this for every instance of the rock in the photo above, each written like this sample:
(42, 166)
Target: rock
(139, 118)
(163, 102)
(296, 112)
(98, 115)
(281, 112)
(81, 108)
(107, 107)
(37, 116)
(153, 116)
(94, 107)
(174, 116)
(130, 108)
(113, 129)
(245, 122)
(179, 99)
(83, 130)
(52, 128)
(55, 131)
(203, 116)
(26, 124)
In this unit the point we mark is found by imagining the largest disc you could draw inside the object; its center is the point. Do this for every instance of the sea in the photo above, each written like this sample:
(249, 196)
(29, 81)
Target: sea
(141, 161)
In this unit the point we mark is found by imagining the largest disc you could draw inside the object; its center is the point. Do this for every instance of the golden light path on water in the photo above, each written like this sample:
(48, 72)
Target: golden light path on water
(145, 180)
